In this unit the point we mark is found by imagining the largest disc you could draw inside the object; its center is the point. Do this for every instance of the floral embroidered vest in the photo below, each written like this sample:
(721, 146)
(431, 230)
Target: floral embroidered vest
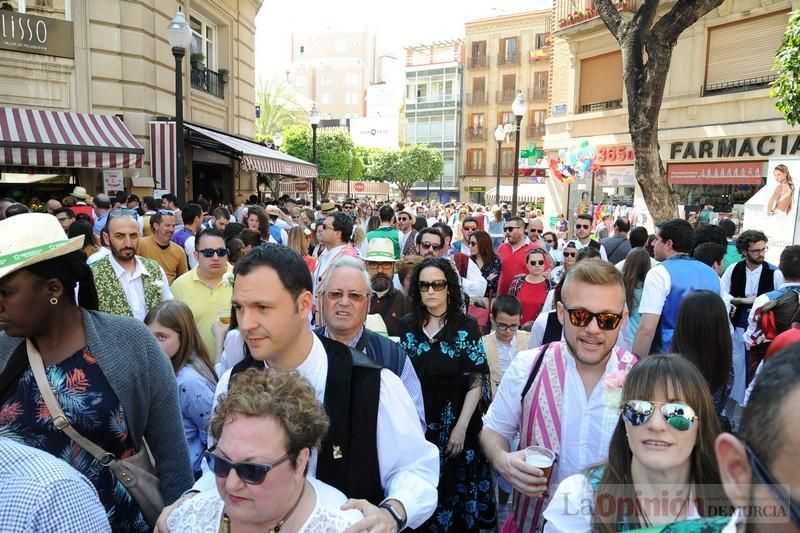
(110, 295)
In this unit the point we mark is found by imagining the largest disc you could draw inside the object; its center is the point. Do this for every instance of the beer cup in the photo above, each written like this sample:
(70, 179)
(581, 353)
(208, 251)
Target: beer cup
(541, 458)
(224, 316)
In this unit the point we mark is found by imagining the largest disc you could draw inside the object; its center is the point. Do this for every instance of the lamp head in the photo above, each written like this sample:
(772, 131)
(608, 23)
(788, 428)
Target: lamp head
(519, 106)
(277, 139)
(499, 133)
(313, 116)
(179, 34)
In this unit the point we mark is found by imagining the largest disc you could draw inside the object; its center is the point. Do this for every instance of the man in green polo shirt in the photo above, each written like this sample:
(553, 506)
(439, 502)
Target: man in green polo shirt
(387, 230)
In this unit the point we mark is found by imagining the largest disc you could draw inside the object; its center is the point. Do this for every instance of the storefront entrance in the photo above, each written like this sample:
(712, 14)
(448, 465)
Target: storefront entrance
(213, 181)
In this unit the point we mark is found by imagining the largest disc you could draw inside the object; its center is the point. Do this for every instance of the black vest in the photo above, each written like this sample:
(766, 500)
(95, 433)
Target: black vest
(594, 244)
(553, 330)
(348, 457)
(766, 283)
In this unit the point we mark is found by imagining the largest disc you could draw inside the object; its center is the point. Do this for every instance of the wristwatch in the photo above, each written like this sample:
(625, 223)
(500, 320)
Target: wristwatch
(401, 522)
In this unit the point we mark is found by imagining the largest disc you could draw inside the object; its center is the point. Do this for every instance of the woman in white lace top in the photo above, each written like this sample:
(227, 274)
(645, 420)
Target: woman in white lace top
(265, 428)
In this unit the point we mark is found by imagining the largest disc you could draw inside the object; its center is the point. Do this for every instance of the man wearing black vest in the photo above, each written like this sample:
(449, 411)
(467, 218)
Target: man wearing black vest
(744, 281)
(583, 232)
(375, 449)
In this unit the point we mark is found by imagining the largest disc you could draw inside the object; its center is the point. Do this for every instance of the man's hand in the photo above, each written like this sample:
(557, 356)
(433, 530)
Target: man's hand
(522, 476)
(376, 520)
(161, 523)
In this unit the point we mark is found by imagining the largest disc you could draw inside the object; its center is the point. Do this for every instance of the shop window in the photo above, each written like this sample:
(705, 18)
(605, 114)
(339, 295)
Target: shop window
(204, 40)
(601, 83)
(57, 9)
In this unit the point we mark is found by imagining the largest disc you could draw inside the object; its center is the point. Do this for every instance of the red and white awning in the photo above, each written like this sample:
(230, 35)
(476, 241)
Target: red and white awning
(59, 139)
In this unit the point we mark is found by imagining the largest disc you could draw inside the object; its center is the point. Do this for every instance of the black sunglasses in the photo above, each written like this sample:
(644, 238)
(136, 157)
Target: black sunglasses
(540, 262)
(209, 252)
(678, 415)
(570, 254)
(605, 321)
(428, 245)
(250, 473)
(511, 228)
(534, 230)
(582, 226)
(438, 285)
(776, 489)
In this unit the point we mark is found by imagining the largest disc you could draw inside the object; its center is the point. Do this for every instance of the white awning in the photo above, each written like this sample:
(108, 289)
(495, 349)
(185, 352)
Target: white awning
(527, 192)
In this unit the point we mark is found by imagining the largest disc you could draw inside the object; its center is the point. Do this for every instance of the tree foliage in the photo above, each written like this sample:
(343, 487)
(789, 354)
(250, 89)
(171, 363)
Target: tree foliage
(279, 109)
(406, 166)
(337, 155)
(786, 87)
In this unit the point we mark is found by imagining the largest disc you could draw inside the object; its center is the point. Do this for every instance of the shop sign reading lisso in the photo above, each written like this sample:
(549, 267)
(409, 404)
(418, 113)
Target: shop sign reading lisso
(36, 35)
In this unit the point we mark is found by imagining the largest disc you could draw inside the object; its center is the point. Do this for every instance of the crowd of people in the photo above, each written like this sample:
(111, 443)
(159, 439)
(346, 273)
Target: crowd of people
(386, 365)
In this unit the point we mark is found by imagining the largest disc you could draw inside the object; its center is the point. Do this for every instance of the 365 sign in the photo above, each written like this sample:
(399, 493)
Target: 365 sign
(614, 155)
(36, 35)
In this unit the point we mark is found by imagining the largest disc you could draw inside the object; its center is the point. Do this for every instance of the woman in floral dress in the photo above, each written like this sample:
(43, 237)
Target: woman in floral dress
(448, 356)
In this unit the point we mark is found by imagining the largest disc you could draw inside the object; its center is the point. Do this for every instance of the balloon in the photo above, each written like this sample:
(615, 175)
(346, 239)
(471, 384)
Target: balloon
(562, 154)
(585, 143)
(587, 164)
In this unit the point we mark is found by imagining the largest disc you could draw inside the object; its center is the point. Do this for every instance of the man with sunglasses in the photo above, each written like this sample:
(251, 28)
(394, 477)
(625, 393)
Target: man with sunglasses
(204, 288)
(513, 254)
(468, 227)
(127, 284)
(583, 235)
(406, 232)
(577, 428)
(535, 232)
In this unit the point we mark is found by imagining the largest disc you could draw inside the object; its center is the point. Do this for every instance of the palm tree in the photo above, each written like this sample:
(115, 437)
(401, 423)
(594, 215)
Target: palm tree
(279, 109)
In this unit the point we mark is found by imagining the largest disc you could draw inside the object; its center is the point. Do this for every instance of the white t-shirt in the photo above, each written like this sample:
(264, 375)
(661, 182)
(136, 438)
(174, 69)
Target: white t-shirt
(203, 513)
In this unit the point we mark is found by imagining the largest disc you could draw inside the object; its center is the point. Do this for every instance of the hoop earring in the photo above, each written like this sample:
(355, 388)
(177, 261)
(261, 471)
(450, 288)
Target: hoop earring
(53, 300)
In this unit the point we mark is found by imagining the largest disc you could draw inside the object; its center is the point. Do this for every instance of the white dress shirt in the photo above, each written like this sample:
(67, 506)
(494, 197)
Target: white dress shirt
(586, 423)
(324, 260)
(752, 278)
(474, 285)
(409, 464)
(133, 285)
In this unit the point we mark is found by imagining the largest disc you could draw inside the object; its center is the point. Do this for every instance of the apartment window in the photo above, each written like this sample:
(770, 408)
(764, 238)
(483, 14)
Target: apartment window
(352, 79)
(325, 98)
(302, 49)
(477, 120)
(448, 88)
(56, 9)
(735, 63)
(479, 48)
(327, 80)
(422, 91)
(351, 99)
(204, 40)
(540, 81)
(340, 46)
(537, 118)
(506, 158)
(509, 48)
(601, 82)
(510, 83)
(475, 159)
(540, 40)
(506, 117)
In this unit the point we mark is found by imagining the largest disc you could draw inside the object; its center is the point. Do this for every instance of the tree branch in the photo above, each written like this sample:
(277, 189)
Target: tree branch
(682, 15)
(643, 18)
(610, 16)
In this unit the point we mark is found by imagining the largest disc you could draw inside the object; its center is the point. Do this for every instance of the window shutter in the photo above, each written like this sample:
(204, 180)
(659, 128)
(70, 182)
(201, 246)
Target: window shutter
(732, 57)
(601, 78)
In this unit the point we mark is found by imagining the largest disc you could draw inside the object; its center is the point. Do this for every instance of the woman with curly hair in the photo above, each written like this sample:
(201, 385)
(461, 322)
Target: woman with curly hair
(445, 347)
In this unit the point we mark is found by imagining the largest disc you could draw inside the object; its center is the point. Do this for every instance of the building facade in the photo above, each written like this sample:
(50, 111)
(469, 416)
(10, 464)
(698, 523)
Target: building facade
(112, 58)
(506, 55)
(718, 126)
(432, 111)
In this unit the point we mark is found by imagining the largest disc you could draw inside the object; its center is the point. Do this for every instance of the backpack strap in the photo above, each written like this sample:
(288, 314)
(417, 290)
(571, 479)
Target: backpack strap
(535, 371)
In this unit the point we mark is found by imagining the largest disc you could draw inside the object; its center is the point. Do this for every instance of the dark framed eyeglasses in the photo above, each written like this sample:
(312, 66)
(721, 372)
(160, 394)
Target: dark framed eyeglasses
(438, 285)
(511, 228)
(353, 296)
(775, 488)
(250, 473)
(582, 317)
(678, 415)
(506, 327)
(209, 252)
(425, 245)
(539, 262)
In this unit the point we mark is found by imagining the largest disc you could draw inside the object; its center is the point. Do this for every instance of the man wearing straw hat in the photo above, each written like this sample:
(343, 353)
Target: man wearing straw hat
(386, 301)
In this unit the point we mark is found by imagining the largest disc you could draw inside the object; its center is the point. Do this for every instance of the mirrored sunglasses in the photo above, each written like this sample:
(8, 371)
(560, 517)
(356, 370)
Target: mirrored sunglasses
(678, 415)
(582, 317)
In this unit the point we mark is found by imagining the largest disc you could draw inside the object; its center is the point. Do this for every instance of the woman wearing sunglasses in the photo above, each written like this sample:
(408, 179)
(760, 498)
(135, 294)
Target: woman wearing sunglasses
(446, 349)
(265, 429)
(570, 254)
(531, 289)
(661, 465)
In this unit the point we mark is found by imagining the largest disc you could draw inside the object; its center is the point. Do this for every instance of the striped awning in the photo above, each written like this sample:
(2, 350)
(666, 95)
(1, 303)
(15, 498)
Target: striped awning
(258, 158)
(526, 192)
(58, 139)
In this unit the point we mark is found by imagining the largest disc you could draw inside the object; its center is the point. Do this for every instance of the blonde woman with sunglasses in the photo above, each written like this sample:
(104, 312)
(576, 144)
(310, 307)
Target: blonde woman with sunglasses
(661, 465)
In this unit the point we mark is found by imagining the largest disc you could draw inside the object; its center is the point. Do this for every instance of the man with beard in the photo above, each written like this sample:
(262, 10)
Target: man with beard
(344, 295)
(386, 301)
(406, 232)
(578, 428)
(744, 281)
(160, 248)
(127, 284)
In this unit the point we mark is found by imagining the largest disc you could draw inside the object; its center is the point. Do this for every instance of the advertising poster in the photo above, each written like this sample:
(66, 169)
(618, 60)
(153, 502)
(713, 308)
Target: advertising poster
(113, 182)
(773, 208)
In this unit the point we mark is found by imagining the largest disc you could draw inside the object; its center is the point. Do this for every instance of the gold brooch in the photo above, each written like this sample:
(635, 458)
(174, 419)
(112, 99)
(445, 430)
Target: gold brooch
(337, 452)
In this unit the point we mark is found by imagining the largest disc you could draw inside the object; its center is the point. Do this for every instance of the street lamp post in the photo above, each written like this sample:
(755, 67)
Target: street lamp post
(313, 118)
(499, 136)
(277, 140)
(518, 108)
(349, 173)
(179, 35)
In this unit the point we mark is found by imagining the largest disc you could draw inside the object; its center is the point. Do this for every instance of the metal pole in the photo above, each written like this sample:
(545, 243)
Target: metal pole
(497, 189)
(314, 160)
(516, 169)
(180, 171)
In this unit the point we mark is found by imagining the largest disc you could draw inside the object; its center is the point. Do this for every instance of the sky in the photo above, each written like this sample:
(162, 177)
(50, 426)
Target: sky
(398, 23)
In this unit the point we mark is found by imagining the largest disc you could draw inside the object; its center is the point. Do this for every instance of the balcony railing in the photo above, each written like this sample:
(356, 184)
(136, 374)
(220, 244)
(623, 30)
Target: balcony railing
(508, 59)
(536, 131)
(208, 81)
(600, 106)
(506, 96)
(477, 98)
(750, 84)
(481, 61)
(476, 134)
(474, 170)
(568, 14)
(537, 93)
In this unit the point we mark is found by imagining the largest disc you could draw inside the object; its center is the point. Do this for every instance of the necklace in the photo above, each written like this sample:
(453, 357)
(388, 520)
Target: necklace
(438, 316)
(643, 514)
(225, 523)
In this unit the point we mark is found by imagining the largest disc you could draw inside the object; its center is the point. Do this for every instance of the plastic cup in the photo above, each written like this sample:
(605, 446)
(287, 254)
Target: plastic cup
(541, 458)
(224, 317)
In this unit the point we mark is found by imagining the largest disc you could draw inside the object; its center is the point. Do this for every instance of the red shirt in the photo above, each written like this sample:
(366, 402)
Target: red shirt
(532, 297)
(512, 265)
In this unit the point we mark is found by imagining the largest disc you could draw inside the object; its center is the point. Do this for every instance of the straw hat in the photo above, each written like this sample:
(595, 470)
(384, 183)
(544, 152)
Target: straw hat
(80, 192)
(380, 250)
(327, 207)
(31, 238)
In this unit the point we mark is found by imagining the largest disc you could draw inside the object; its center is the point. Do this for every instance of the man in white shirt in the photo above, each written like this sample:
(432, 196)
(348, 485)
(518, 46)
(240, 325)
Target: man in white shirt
(126, 283)
(336, 235)
(406, 232)
(397, 470)
(579, 429)
(583, 232)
